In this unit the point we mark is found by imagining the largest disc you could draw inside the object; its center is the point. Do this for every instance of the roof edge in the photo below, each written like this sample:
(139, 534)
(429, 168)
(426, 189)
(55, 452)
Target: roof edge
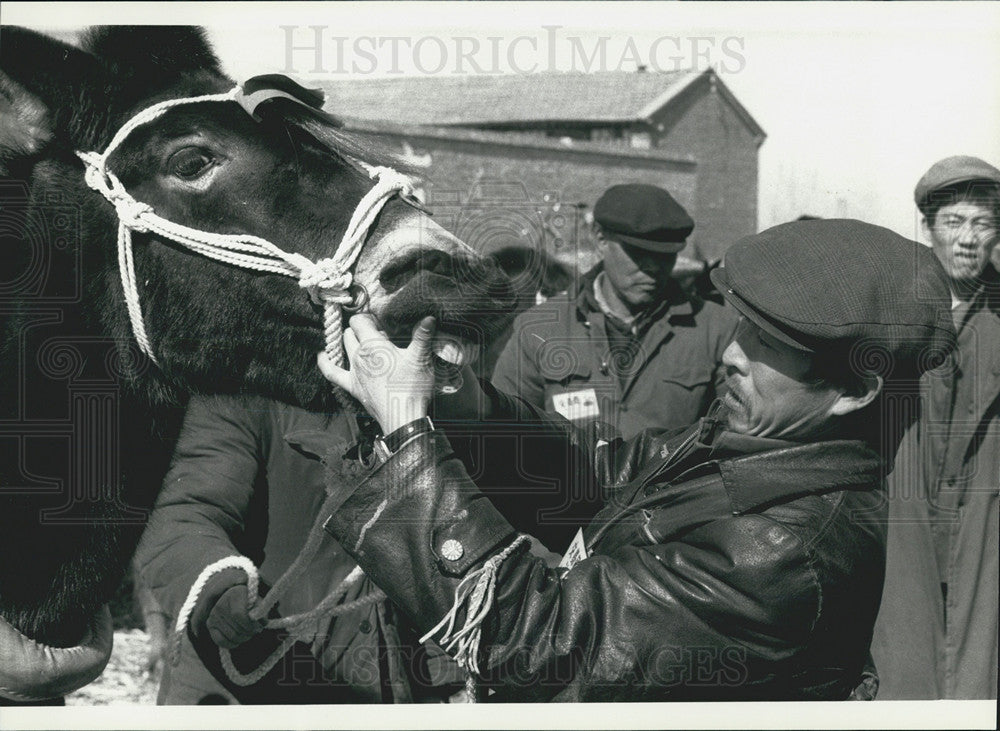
(668, 94)
(738, 107)
(501, 139)
(719, 85)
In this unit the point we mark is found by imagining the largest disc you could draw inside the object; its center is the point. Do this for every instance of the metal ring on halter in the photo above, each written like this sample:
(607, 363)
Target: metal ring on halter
(359, 299)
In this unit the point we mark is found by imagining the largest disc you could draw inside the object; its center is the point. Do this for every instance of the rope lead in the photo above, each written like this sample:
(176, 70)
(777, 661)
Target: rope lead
(299, 626)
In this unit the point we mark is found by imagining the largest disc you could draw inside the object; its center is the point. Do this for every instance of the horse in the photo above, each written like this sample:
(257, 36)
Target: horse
(108, 321)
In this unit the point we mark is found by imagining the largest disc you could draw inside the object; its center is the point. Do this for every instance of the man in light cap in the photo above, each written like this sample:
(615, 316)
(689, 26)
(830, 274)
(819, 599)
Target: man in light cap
(739, 559)
(936, 636)
(627, 346)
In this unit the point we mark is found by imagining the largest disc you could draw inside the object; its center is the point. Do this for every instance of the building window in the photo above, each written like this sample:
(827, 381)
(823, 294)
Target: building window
(572, 133)
(605, 134)
(640, 140)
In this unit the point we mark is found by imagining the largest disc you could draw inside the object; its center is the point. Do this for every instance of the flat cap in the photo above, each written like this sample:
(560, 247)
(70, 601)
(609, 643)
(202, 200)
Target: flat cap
(952, 171)
(846, 287)
(644, 216)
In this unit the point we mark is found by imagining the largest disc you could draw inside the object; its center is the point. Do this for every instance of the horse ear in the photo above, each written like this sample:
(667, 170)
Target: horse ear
(52, 89)
(24, 123)
(151, 57)
(46, 88)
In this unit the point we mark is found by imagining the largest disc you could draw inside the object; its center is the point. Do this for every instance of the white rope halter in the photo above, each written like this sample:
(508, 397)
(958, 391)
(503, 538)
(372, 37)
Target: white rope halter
(328, 280)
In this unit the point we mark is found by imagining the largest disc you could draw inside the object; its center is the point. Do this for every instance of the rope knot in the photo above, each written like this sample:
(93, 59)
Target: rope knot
(131, 211)
(391, 179)
(326, 282)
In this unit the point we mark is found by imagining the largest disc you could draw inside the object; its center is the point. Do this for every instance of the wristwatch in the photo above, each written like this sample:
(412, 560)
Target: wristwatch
(386, 446)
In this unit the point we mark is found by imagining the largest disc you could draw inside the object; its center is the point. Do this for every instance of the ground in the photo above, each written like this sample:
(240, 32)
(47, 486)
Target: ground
(125, 681)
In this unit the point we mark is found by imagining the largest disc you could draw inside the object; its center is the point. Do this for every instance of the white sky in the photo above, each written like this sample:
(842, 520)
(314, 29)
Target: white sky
(858, 99)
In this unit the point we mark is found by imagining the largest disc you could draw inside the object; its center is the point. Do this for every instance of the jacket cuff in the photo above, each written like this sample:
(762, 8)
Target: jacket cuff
(418, 524)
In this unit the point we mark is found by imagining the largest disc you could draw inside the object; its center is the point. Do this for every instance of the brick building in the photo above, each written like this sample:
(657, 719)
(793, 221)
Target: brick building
(509, 157)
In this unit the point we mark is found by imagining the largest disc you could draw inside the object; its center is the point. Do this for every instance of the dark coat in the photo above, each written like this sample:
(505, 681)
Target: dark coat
(246, 479)
(721, 566)
(561, 357)
(936, 635)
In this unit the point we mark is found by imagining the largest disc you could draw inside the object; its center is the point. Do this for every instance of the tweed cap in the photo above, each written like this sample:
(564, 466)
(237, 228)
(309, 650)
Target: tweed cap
(643, 216)
(844, 287)
(952, 171)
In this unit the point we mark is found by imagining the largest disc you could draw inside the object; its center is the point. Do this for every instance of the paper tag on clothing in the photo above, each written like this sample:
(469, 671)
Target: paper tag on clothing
(577, 551)
(577, 404)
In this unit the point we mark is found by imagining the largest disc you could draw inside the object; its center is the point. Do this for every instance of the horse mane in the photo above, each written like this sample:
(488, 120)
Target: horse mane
(346, 145)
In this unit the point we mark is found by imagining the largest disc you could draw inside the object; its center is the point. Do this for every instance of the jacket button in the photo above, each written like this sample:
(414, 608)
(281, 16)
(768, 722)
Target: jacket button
(365, 626)
(452, 549)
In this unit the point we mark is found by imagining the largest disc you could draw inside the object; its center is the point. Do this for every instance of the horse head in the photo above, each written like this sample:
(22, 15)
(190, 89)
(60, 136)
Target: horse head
(147, 114)
(284, 174)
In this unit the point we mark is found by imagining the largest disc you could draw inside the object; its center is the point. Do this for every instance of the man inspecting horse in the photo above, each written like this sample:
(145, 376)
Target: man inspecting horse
(740, 559)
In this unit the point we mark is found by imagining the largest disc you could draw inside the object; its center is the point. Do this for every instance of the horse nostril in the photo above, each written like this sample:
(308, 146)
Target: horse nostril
(401, 270)
(438, 262)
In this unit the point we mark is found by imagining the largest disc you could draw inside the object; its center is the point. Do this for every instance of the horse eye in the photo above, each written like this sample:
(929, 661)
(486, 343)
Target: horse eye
(190, 163)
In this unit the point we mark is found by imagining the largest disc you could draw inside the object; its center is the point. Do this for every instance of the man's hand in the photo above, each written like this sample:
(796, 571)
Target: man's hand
(222, 611)
(395, 385)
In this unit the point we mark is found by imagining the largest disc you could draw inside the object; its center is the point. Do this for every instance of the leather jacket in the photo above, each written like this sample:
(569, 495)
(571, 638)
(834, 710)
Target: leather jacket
(719, 566)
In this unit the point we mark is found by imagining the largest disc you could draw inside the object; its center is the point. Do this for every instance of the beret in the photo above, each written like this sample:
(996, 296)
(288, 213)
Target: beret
(645, 216)
(843, 286)
(951, 171)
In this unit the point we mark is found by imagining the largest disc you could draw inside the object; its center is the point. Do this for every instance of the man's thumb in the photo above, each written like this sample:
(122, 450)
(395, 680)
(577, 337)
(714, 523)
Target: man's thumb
(423, 334)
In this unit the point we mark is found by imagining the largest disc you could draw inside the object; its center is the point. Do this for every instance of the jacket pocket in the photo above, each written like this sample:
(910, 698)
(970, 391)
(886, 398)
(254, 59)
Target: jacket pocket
(562, 364)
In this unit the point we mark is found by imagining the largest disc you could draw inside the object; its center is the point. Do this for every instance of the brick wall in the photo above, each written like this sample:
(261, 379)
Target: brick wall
(703, 125)
(495, 189)
(496, 194)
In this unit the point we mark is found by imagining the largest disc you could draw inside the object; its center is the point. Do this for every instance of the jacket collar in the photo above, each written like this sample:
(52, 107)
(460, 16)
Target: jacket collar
(788, 468)
(676, 301)
(716, 474)
(798, 469)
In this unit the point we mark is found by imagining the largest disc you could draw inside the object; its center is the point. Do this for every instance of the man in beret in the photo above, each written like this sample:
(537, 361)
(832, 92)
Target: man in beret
(740, 559)
(936, 636)
(628, 345)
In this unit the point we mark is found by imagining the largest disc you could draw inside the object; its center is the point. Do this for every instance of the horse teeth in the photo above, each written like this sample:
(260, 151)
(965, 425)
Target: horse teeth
(451, 352)
(455, 351)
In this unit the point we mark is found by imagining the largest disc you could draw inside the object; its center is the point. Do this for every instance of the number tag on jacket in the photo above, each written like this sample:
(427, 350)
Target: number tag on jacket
(577, 551)
(577, 404)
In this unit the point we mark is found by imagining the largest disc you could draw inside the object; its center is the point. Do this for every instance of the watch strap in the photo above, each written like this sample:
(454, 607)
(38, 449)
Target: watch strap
(386, 446)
